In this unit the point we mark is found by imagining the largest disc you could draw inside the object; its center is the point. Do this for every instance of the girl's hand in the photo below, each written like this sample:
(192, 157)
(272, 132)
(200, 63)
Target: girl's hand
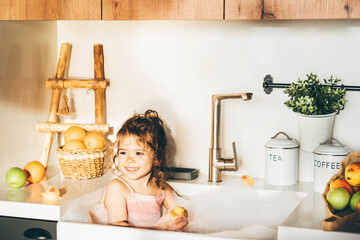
(171, 223)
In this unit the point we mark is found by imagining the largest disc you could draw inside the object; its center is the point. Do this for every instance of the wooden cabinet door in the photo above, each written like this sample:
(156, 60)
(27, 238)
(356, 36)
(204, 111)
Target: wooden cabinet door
(292, 9)
(50, 9)
(243, 9)
(162, 9)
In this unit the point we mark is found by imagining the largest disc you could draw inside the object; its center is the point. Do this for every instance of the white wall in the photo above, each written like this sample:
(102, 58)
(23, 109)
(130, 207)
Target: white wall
(27, 58)
(175, 66)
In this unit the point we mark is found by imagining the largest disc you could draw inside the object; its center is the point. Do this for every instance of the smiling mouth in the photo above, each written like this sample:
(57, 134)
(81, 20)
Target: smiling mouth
(131, 169)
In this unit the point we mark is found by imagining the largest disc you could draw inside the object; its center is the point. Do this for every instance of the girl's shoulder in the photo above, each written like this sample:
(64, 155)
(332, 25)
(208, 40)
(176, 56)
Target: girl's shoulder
(117, 186)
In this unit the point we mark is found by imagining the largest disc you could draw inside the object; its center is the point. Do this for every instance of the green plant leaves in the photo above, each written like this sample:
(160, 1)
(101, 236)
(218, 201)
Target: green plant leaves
(311, 97)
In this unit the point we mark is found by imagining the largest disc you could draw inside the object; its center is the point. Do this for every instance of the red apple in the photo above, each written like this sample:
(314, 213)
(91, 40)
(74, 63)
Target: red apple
(358, 206)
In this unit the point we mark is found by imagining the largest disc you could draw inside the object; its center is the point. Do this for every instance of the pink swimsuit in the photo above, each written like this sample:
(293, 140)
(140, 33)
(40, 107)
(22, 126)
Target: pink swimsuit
(143, 210)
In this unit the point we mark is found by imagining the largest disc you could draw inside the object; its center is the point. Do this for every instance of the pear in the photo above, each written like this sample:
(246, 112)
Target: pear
(352, 174)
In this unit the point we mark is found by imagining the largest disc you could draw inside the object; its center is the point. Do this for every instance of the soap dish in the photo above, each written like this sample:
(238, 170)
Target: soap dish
(182, 173)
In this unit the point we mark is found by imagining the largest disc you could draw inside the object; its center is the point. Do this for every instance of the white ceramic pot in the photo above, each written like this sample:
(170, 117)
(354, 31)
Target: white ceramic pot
(314, 129)
(281, 161)
(327, 158)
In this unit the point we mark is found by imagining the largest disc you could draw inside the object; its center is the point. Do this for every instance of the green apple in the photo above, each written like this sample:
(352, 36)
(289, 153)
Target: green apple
(354, 200)
(15, 177)
(338, 198)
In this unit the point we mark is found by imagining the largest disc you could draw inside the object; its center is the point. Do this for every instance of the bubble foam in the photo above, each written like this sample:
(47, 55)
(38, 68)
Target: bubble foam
(239, 212)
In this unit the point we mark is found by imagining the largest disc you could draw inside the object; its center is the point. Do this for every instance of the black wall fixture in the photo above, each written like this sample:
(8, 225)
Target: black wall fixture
(269, 84)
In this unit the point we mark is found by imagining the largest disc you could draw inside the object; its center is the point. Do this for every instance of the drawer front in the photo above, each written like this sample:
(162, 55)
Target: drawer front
(20, 228)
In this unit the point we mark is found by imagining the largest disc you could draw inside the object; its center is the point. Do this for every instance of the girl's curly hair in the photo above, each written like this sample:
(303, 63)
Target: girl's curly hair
(149, 130)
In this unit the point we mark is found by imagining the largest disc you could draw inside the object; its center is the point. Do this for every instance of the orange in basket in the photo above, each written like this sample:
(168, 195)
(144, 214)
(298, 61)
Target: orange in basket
(73, 133)
(74, 145)
(94, 141)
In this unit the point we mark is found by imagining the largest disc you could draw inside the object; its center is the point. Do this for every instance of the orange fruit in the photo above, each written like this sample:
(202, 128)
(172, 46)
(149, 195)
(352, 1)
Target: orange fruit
(74, 145)
(73, 133)
(94, 141)
(342, 183)
(34, 171)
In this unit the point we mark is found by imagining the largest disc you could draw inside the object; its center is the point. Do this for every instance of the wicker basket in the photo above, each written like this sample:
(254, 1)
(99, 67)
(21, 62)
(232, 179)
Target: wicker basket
(81, 164)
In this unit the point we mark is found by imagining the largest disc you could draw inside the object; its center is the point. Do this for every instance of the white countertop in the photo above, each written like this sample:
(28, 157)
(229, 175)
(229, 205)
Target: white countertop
(28, 203)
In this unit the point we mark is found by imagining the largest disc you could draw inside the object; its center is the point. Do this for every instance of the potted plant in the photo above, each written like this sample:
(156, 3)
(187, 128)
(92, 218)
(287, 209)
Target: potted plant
(316, 104)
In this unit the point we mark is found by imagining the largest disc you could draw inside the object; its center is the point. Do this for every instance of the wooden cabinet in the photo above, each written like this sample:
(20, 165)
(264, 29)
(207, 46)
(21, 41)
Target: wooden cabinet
(292, 9)
(178, 9)
(162, 9)
(50, 9)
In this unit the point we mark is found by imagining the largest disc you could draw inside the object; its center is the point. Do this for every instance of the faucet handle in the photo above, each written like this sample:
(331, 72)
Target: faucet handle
(235, 156)
(227, 164)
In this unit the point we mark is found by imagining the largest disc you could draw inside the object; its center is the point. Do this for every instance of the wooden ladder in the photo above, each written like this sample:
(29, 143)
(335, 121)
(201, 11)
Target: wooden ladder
(98, 84)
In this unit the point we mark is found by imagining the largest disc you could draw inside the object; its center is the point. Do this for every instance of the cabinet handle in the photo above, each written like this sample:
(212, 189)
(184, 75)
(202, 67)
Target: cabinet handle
(37, 233)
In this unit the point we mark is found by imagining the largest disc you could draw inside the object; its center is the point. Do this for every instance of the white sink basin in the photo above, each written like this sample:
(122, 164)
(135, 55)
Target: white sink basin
(230, 210)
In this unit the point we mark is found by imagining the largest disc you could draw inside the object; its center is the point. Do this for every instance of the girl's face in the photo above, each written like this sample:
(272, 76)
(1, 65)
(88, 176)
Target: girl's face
(134, 160)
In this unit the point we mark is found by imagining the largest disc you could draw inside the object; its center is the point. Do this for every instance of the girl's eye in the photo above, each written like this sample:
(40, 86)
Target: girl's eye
(139, 153)
(122, 153)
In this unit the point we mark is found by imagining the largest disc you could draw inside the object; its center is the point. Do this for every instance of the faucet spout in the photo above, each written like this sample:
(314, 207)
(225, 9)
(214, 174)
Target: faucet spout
(216, 162)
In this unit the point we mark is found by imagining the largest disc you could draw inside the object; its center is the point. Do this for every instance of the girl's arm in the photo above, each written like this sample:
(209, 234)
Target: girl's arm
(168, 222)
(170, 199)
(115, 203)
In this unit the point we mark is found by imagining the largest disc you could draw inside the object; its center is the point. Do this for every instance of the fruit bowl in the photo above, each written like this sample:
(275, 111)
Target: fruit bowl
(82, 155)
(81, 164)
(345, 219)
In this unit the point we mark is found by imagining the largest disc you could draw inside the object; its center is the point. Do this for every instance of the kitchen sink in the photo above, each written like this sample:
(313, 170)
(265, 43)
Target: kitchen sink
(230, 210)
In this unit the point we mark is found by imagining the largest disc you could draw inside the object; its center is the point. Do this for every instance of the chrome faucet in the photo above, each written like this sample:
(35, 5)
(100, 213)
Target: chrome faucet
(216, 162)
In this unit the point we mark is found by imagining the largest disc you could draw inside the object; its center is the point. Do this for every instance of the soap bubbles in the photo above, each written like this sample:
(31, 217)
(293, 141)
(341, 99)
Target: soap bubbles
(238, 211)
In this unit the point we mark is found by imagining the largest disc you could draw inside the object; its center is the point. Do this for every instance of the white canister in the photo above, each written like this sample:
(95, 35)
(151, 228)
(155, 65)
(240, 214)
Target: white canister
(327, 158)
(281, 161)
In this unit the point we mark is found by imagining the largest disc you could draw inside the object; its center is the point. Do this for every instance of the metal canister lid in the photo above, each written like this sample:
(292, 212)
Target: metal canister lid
(332, 147)
(281, 143)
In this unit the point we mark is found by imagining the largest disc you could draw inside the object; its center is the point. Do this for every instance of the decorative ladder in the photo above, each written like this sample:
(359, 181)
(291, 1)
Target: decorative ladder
(98, 84)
